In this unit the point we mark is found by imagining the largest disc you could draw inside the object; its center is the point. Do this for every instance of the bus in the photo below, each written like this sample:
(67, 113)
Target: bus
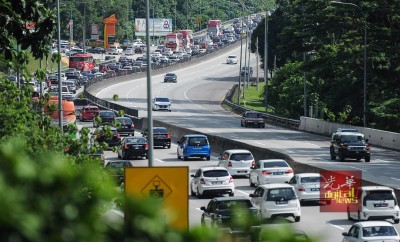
(174, 41)
(82, 62)
(187, 37)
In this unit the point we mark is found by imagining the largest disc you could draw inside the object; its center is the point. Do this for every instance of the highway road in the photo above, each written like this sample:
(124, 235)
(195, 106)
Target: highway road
(196, 98)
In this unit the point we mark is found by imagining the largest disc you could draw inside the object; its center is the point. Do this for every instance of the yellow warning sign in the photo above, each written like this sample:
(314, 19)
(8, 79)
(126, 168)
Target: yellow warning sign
(170, 184)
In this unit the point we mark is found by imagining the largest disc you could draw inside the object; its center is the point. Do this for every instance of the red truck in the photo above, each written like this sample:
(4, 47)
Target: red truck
(174, 41)
(187, 37)
(214, 27)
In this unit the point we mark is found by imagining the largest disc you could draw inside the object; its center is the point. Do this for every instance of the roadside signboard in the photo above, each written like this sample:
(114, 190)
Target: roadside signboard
(170, 184)
(157, 26)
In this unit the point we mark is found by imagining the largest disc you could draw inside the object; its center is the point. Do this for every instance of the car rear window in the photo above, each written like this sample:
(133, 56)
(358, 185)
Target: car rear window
(215, 173)
(124, 120)
(136, 140)
(197, 141)
(117, 165)
(243, 156)
(234, 203)
(276, 194)
(160, 130)
(379, 195)
(92, 109)
(253, 115)
(275, 164)
(107, 114)
(312, 179)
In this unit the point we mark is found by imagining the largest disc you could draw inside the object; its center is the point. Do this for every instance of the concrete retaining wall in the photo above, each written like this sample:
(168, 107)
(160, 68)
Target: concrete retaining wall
(376, 137)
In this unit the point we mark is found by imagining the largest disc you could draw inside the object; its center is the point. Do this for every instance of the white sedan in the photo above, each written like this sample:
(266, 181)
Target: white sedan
(232, 59)
(371, 231)
(212, 181)
(270, 171)
(307, 186)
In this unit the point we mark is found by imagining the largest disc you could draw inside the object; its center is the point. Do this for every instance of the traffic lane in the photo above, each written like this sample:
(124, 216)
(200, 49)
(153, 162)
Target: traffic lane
(190, 110)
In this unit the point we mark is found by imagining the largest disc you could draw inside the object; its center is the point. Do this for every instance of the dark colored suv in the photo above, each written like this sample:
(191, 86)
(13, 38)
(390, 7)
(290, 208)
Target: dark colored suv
(251, 118)
(161, 137)
(235, 214)
(349, 143)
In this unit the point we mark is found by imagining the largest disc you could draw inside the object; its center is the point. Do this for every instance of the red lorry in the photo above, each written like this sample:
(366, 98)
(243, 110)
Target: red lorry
(214, 27)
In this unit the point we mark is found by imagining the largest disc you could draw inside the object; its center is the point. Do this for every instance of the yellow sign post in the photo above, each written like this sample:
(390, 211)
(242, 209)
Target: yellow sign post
(167, 183)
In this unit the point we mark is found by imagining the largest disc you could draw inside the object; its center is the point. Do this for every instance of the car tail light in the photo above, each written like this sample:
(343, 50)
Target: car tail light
(117, 136)
(344, 147)
(146, 146)
(266, 172)
(102, 158)
(126, 146)
(289, 171)
(253, 163)
(230, 179)
(167, 136)
(202, 181)
(368, 147)
(132, 126)
(229, 164)
(301, 189)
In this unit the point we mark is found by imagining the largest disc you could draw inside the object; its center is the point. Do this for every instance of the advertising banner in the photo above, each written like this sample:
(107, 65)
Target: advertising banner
(157, 26)
(341, 187)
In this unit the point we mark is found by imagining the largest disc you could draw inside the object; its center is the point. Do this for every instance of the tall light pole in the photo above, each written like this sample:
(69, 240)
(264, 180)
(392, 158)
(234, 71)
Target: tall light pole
(60, 107)
(267, 13)
(365, 57)
(84, 27)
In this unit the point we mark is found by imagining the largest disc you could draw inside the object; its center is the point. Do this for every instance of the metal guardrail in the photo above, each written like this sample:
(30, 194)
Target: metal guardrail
(269, 118)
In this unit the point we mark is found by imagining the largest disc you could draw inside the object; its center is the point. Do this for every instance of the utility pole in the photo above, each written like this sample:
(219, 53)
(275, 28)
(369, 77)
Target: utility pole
(257, 60)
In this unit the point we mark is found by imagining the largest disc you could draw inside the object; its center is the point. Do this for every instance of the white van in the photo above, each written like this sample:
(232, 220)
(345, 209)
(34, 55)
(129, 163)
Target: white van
(376, 202)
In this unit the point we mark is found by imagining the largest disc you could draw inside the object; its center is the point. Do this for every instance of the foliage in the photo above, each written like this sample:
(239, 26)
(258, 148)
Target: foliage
(328, 40)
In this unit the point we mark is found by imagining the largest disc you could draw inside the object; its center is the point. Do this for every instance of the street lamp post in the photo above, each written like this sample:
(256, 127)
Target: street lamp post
(365, 57)
(267, 13)
(60, 108)
(84, 27)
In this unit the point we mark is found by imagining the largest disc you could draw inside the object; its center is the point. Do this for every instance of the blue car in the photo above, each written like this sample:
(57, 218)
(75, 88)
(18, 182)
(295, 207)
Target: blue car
(193, 145)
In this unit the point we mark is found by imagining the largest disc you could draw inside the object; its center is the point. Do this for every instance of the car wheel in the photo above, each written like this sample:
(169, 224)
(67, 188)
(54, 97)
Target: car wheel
(258, 181)
(297, 219)
(359, 216)
(367, 158)
(119, 156)
(192, 193)
(396, 221)
(341, 157)
(178, 156)
(124, 156)
(208, 158)
(241, 124)
(169, 146)
(231, 194)
(185, 158)
(348, 215)
(332, 151)
(198, 194)
(251, 184)
(263, 126)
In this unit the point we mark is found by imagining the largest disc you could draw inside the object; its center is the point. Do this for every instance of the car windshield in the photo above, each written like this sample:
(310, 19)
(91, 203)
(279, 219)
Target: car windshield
(138, 140)
(277, 194)
(375, 231)
(215, 173)
(312, 179)
(170, 75)
(273, 164)
(351, 138)
(92, 109)
(197, 141)
(241, 156)
(234, 203)
(162, 99)
(232, 56)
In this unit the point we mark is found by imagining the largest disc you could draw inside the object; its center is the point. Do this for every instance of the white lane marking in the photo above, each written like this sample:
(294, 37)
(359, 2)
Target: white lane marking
(288, 151)
(259, 143)
(281, 137)
(336, 226)
(159, 160)
(395, 178)
(243, 192)
(212, 131)
(357, 168)
(313, 144)
(199, 209)
(385, 161)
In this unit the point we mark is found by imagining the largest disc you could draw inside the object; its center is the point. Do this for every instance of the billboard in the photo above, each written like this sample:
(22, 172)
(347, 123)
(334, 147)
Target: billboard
(157, 26)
